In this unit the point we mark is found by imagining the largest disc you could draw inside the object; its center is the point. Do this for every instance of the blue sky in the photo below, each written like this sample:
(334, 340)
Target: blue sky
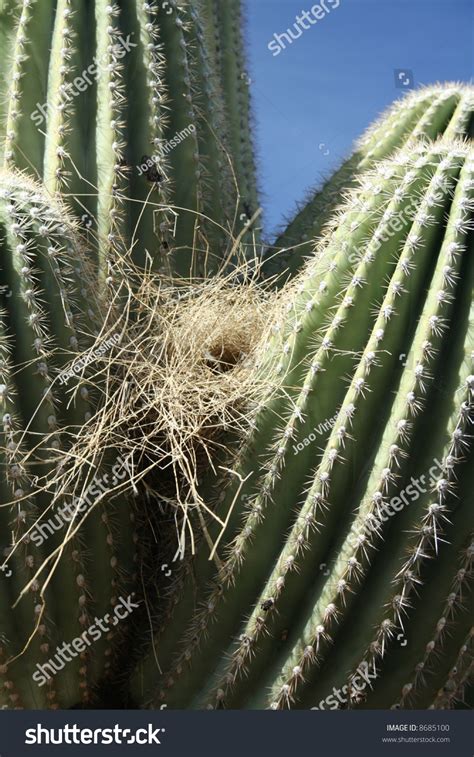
(313, 99)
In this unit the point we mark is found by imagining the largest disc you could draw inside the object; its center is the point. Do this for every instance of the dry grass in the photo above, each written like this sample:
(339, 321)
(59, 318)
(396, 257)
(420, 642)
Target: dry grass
(179, 383)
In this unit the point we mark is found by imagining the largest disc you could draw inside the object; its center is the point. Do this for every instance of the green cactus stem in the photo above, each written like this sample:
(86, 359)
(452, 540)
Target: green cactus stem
(55, 579)
(224, 33)
(330, 551)
(120, 107)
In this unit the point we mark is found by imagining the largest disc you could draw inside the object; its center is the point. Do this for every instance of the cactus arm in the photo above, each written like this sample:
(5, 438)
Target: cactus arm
(386, 620)
(9, 19)
(186, 160)
(434, 311)
(44, 265)
(60, 76)
(212, 123)
(30, 323)
(69, 148)
(109, 138)
(422, 115)
(300, 547)
(14, 572)
(227, 20)
(146, 117)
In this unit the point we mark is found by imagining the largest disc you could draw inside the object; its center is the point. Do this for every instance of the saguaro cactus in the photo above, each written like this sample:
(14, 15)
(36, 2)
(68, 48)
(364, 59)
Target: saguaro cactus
(64, 560)
(224, 30)
(424, 114)
(120, 106)
(120, 109)
(348, 539)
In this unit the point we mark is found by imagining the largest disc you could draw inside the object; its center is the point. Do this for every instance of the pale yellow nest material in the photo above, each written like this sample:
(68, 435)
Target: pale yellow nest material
(178, 384)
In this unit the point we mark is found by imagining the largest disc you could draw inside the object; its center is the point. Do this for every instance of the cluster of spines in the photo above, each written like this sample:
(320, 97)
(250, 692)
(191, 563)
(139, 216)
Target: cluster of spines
(453, 604)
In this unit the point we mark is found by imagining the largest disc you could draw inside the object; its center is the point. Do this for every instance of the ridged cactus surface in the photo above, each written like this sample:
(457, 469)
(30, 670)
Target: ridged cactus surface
(65, 560)
(225, 34)
(349, 520)
(120, 106)
(126, 111)
(336, 568)
(427, 113)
